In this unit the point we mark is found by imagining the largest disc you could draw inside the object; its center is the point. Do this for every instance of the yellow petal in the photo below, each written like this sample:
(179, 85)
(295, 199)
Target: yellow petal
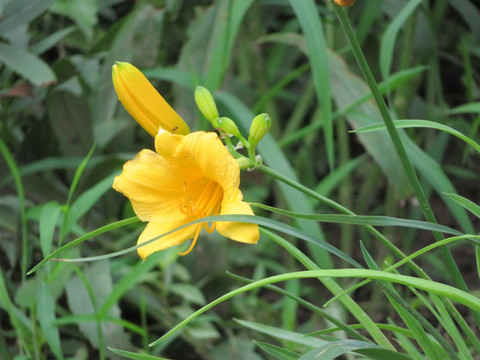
(243, 232)
(154, 229)
(166, 143)
(154, 187)
(143, 102)
(206, 152)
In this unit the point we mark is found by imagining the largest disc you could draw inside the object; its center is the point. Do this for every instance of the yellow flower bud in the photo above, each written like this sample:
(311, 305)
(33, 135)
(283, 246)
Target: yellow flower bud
(206, 104)
(344, 2)
(261, 125)
(228, 126)
(144, 103)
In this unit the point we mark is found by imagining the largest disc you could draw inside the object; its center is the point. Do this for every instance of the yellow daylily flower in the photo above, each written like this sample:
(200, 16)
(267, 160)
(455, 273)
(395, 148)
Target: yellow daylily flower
(144, 103)
(187, 178)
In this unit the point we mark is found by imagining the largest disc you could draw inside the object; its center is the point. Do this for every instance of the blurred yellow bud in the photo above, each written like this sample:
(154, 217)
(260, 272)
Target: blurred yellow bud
(206, 104)
(344, 2)
(261, 125)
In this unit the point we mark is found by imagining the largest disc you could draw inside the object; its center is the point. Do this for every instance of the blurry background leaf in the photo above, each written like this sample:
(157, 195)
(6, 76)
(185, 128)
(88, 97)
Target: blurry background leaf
(18, 12)
(100, 280)
(70, 121)
(27, 65)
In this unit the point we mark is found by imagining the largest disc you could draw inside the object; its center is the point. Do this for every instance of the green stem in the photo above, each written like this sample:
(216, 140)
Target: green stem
(7, 155)
(461, 321)
(334, 288)
(230, 147)
(397, 143)
(343, 210)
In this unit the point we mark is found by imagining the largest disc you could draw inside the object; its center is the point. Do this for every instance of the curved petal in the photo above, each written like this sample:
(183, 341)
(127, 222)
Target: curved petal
(155, 229)
(154, 187)
(205, 151)
(143, 102)
(243, 232)
(166, 143)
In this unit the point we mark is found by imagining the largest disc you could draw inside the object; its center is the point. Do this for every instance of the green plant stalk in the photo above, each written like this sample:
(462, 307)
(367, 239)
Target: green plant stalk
(397, 143)
(7, 155)
(342, 210)
(443, 290)
(71, 192)
(345, 191)
(334, 288)
(340, 325)
(82, 238)
(405, 260)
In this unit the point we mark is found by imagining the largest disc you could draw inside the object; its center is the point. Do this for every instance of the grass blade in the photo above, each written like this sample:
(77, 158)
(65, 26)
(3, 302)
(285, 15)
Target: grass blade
(307, 15)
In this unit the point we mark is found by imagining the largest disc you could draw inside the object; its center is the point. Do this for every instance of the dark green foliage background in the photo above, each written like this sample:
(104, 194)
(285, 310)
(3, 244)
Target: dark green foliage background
(57, 102)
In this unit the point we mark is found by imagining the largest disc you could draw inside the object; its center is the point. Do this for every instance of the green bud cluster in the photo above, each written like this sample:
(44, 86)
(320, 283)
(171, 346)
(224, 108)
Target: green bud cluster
(260, 126)
(206, 105)
(228, 126)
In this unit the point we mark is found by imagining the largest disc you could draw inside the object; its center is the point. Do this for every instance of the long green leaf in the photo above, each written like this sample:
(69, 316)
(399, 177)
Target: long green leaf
(467, 204)
(277, 352)
(334, 349)
(280, 333)
(12, 165)
(415, 123)
(135, 356)
(363, 220)
(228, 17)
(47, 223)
(307, 14)
(466, 108)
(389, 37)
(265, 222)
(46, 317)
(442, 290)
(83, 238)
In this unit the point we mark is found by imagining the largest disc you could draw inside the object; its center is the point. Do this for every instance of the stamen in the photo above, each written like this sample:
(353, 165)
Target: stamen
(186, 205)
(216, 211)
(194, 241)
(210, 229)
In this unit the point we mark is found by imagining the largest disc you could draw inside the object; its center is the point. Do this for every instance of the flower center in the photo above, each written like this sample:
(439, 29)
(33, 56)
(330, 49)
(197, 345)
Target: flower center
(204, 202)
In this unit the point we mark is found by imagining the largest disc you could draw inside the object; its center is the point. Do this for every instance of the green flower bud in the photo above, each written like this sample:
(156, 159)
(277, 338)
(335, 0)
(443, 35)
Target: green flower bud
(261, 125)
(228, 126)
(243, 163)
(206, 104)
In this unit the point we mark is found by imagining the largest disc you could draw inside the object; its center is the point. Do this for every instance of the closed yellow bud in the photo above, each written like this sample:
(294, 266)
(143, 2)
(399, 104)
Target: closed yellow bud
(261, 125)
(206, 104)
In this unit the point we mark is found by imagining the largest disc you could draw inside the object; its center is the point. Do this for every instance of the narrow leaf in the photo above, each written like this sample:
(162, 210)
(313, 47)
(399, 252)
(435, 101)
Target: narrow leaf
(307, 15)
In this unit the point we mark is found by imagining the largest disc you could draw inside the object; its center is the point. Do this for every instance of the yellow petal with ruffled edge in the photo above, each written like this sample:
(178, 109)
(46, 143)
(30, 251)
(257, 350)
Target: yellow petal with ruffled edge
(243, 232)
(144, 103)
(190, 177)
(206, 151)
(153, 186)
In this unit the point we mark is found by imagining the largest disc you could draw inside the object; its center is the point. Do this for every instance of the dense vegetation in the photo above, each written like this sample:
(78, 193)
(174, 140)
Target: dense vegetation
(334, 206)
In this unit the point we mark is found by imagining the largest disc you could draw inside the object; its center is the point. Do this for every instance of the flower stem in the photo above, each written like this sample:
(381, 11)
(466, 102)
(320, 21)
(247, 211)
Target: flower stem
(452, 267)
